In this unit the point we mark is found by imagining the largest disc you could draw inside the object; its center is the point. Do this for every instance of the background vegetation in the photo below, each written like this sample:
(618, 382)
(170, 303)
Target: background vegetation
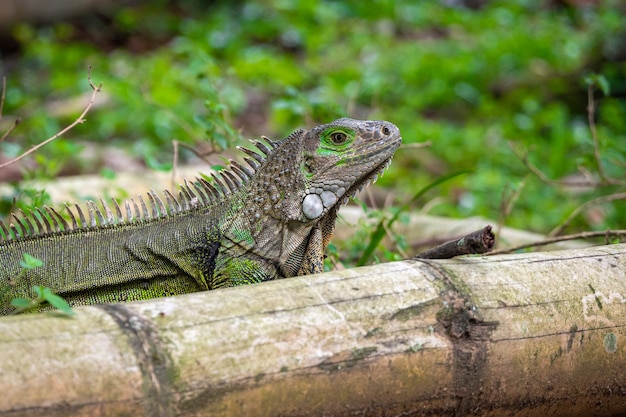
(477, 79)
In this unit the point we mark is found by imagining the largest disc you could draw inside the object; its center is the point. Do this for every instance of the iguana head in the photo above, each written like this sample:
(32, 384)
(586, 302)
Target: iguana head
(342, 157)
(305, 177)
(291, 203)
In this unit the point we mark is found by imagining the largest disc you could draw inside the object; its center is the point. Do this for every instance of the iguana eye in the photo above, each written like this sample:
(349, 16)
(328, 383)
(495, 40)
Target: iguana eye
(338, 138)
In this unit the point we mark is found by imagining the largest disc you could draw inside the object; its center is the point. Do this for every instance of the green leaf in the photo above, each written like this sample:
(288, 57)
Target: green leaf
(21, 303)
(604, 85)
(30, 262)
(56, 301)
(600, 81)
(39, 290)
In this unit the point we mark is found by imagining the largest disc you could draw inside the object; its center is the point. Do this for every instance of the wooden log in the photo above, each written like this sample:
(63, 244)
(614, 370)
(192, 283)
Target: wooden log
(518, 335)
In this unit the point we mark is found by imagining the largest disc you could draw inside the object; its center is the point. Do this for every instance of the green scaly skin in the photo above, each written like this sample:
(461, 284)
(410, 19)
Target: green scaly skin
(267, 221)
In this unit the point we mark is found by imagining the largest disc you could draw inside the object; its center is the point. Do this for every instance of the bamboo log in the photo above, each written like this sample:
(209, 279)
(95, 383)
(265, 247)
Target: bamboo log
(518, 335)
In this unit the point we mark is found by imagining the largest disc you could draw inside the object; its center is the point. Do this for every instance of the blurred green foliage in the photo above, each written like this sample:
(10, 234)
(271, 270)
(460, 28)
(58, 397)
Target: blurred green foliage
(470, 80)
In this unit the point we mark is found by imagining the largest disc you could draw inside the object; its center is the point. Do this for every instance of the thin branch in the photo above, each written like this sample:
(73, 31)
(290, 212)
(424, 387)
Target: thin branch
(4, 89)
(475, 243)
(391, 236)
(80, 120)
(583, 235)
(196, 152)
(17, 121)
(175, 144)
(507, 202)
(591, 110)
(600, 200)
(543, 177)
(11, 129)
(416, 145)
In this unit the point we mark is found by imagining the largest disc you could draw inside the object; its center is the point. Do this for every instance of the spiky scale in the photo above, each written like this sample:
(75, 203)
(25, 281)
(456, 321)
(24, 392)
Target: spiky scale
(242, 171)
(129, 212)
(158, 203)
(230, 181)
(172, 203)
(110, 219)
(261, 147)
(27, 223)
(118, 212)
(214, 193)
(234, 178)
(44, 218)
(72, 216)
(15, 232)
(95, 215)
(189, 193)
(145, 214)
(81, 216)
(135, 209)
(59, 220)
(20, 225)
(205, 199)
(153, 206)
(6, 234)
(270, 142)
(252, 162)
(258, 157)
(220, 186)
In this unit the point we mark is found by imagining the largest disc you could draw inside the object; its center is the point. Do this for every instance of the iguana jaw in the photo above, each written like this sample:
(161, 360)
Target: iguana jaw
(372, 177)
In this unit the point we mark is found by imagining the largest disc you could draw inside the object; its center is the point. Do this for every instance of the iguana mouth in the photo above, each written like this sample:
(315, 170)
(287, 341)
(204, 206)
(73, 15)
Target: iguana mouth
(372, 177)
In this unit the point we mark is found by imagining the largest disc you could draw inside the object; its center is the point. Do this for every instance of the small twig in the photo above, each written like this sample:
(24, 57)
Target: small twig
(583, 235)
(196, 152)
(591, 110)
(391, 236)
(543, 177)
(416, 145)
(4, 89)
(507, 203)
(174, 164)
(11, 129)
(557, 230)
(17, 121)
(81, 119)
(475, 243)
(604, 178)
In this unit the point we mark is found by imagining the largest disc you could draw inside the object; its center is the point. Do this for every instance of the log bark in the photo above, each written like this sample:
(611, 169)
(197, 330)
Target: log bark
(517, 335)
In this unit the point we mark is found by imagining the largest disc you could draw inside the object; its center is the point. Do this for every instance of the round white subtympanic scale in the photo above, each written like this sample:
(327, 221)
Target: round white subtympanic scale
(312, 206)
(328, 198)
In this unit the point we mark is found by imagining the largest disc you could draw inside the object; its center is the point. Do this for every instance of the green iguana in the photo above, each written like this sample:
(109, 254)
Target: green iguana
(270, 220)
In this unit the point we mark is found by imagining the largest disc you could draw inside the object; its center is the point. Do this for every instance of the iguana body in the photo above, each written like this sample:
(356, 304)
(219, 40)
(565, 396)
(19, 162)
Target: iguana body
(269, 221)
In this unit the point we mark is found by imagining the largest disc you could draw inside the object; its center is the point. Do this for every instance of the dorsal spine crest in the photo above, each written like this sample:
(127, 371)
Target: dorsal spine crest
(197, 194)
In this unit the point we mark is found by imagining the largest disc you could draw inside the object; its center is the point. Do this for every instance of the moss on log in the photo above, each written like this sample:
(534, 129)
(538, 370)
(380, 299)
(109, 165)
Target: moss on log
(518, 335)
